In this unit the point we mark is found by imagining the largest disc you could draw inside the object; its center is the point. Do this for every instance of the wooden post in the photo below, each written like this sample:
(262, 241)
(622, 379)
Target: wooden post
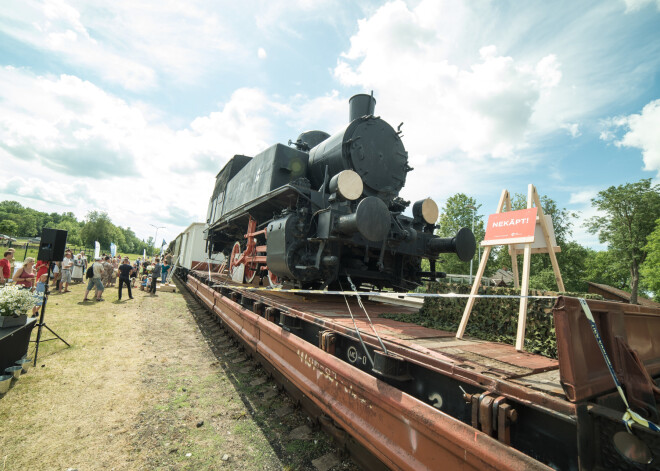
(514, 256)
(524, 289)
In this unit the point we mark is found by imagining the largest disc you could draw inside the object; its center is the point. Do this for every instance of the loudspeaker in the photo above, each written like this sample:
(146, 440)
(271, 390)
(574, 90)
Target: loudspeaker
(53, 243)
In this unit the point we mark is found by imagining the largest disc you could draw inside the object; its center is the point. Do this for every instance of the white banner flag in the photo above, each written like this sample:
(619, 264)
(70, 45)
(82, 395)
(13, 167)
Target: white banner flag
(97, 249)
(113, 249)
(144, 254)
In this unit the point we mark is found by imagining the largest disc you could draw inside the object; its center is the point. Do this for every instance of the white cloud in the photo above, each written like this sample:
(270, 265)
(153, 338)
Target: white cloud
(643, 134)
(123, 42)
(582, 197)
(572, 128)
(636, 5)
(481, 109)
(114, 153)
(640, 132)
(261, 53)
(461, 114)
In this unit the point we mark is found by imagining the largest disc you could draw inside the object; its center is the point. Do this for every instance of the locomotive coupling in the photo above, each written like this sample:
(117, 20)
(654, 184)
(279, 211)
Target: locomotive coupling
(463, 244)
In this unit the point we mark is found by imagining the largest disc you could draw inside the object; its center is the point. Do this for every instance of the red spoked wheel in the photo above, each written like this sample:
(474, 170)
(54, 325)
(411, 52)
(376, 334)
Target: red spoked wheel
(233, 258)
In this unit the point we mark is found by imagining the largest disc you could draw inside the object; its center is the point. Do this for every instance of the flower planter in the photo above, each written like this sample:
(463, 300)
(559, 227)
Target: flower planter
(5, 382)
(9, 321)
(25, 363)
(15, 371)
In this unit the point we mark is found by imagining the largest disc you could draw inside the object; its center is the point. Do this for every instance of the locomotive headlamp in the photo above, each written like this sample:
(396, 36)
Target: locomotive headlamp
(427, 210)
(347, 184)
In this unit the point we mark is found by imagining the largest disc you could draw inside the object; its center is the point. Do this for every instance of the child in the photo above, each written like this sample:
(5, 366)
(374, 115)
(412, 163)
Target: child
(144, 283)
(39, 294)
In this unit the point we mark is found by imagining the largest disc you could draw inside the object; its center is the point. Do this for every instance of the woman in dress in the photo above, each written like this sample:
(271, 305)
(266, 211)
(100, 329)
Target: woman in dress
(77, 273)
(25, 275)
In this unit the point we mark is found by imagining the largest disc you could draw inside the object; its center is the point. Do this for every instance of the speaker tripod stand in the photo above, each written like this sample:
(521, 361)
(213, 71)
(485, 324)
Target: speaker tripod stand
(42, 323)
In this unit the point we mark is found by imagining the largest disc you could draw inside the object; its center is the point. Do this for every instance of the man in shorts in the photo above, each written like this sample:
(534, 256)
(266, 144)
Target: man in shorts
(67, 266)
(95, 280)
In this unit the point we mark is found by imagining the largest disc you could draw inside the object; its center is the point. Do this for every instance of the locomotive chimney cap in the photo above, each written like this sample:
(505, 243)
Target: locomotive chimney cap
(361, 105)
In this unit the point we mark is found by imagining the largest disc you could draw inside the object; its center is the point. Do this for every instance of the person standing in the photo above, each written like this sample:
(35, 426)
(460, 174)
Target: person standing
(77, 274)
(42, 268)
(154, 275)
(67, 266)
(25, 276)
(165, 271)
(95, 280)
(106, 277)
(5, 266)
(125, 270)
(134, 274)
(115, 262)
(55, 269)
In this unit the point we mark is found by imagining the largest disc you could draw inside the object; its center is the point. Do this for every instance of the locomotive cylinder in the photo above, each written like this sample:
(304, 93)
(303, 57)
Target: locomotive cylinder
(463, 245)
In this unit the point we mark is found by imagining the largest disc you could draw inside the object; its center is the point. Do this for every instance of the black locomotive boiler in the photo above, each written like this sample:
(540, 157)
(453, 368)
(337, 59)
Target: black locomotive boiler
(328, 207)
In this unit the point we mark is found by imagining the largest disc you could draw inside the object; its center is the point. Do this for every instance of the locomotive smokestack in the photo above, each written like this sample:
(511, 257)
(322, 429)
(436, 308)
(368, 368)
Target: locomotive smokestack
(361, 105)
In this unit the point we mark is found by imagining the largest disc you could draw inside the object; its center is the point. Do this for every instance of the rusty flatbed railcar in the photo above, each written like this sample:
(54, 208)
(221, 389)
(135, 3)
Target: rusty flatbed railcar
(435, 402)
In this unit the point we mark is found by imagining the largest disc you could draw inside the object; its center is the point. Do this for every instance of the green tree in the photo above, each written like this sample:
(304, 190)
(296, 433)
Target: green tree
(99, 227)
(607, 268)
(650, 270)
(630, 212)
(572, 261)
(8, 227)
(73, 229)
(457, 213)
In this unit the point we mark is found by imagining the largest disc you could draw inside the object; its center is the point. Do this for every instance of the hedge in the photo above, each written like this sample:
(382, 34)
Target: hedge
(494, 319)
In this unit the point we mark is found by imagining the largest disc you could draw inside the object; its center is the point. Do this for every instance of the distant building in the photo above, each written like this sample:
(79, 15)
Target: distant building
(615, 294)
(502, 277)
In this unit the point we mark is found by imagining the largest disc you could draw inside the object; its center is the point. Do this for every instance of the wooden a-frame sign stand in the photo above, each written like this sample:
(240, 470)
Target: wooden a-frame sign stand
(547, 246)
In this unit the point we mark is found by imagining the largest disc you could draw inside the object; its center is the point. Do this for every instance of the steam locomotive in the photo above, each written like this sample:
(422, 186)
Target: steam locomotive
(326, 207)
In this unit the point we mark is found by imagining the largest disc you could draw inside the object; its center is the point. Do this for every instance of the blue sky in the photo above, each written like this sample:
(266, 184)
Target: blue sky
(132, 107)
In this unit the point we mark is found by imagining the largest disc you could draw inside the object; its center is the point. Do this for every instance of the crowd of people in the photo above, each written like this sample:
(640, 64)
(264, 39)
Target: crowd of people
(105, 271)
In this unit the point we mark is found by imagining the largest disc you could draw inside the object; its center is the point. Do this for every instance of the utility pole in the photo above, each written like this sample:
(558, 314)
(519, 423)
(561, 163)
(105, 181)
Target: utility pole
(153, 248)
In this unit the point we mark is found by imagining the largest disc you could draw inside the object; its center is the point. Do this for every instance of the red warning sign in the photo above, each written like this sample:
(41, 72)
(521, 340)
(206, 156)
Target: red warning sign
(511, 227)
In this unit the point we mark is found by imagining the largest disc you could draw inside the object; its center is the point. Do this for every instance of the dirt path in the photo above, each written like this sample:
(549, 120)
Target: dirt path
(150, 383)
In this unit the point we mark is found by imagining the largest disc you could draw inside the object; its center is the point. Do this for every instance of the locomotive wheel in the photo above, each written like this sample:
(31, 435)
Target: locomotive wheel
(235, 253)
(273, 280)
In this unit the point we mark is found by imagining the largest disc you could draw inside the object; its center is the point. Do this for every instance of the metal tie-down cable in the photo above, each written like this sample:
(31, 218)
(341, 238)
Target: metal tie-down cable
(357, 331)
